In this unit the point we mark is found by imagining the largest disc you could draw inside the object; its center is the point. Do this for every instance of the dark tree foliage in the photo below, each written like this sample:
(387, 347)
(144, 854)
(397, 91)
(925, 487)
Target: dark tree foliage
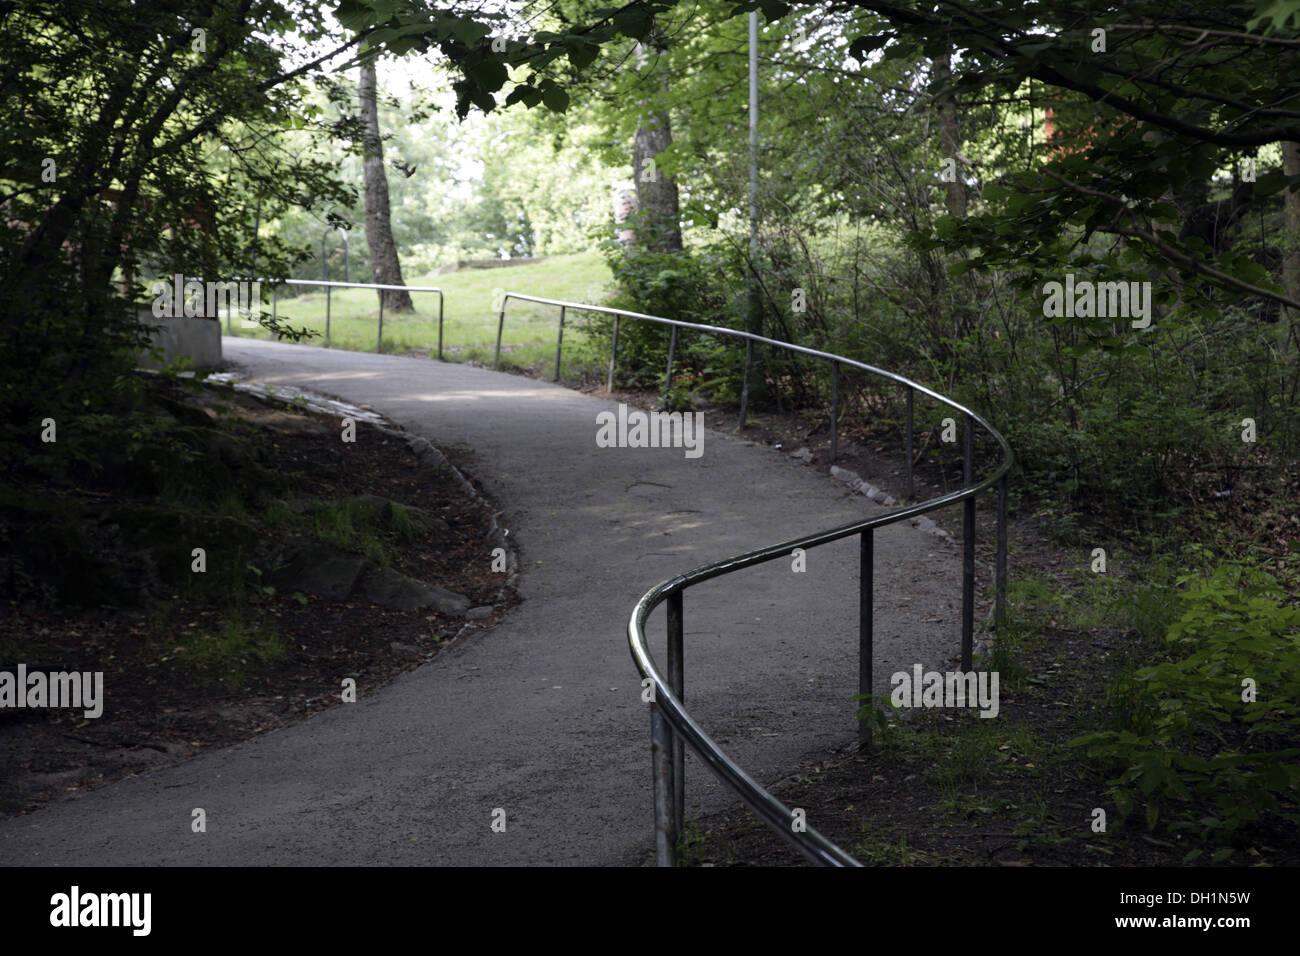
(141, 140)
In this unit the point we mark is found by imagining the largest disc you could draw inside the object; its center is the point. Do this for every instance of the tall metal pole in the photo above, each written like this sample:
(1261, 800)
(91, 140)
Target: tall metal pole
(753, 131)
(752, 323)
(753, 166)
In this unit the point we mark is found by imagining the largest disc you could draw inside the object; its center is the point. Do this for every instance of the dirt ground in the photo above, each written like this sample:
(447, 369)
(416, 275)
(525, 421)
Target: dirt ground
(944, 790)
(161, 712)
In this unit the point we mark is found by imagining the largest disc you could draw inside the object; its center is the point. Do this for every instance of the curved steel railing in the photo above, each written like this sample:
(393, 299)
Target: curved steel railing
(671, 724)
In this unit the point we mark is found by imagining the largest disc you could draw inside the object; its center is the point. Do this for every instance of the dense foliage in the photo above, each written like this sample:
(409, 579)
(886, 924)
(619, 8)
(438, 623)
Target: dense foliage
(1208, 734)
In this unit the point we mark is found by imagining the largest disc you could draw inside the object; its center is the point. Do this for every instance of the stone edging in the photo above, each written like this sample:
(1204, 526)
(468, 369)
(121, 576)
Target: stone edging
(980, 645)
(855, 482)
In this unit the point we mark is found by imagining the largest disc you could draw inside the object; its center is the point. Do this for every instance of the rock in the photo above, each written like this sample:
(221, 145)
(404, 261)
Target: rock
(479, 613)
(803, 454)
(319, 569)
(392, 589)
(846, 476)
(184, 412)
(425, 523)
(376, 509)
(229, 450)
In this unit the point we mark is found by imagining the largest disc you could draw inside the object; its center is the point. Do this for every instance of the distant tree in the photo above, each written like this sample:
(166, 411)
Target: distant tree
(384, 263)
(658, 211)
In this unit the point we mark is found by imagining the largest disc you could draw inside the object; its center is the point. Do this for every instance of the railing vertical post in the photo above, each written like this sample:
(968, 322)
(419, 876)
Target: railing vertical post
(866, 579)
(911, 489)
(835, 411)
(613, 354)
(327, 312)
(275, 295)
(439, 325)
(1000, 611)
(677, 682)
(379, 347)
(672, 351)
(501, 324)
(744, 384)
(968, 550)
(559, 343)
(661, 759)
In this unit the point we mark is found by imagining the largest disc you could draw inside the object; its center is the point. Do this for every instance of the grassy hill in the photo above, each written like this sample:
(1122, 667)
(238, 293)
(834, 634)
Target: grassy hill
(469, 319)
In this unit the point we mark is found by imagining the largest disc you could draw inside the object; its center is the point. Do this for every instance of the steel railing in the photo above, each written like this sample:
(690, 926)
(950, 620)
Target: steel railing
(329, 286)
(671, 726)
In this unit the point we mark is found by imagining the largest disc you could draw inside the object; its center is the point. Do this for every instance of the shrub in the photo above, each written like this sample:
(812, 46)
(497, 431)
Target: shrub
(1213, 728)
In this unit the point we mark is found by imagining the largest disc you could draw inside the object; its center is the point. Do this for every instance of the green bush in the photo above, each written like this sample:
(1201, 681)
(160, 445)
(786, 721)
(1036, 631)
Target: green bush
(1213, 728)
(688, 286)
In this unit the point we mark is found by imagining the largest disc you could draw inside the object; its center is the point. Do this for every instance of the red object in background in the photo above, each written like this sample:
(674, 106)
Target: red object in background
(1083, 140)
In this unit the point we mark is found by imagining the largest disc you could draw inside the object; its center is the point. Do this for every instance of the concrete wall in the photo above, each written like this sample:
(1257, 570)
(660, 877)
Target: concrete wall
(200, 339)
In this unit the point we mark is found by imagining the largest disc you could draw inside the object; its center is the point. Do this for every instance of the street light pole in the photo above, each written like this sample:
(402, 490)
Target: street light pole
(753, 167)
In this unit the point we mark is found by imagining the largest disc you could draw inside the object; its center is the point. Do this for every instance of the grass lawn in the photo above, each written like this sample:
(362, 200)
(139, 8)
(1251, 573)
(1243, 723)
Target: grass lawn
(469, 320)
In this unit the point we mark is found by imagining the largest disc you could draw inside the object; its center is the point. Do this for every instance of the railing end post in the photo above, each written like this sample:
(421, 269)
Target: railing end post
(665, 814)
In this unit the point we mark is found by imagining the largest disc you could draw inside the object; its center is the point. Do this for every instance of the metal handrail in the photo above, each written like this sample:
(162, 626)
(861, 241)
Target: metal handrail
(671, 724)
(379, 345)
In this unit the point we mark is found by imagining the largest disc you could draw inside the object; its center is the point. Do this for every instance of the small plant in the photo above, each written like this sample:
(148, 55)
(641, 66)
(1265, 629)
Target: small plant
(882, 730)
(400, 520)
(678, 399)
(689, 844)
(888, 852)
(1212, 729)
(237, 646)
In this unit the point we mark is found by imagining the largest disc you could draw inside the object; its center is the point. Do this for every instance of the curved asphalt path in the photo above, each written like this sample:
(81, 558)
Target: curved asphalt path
(542, 716)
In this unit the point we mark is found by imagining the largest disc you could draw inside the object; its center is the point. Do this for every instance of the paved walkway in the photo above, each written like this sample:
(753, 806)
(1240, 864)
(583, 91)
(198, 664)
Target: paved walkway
(542, 715)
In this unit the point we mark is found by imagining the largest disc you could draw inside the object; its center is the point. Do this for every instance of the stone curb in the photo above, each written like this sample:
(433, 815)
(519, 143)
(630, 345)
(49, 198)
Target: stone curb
(855, 482)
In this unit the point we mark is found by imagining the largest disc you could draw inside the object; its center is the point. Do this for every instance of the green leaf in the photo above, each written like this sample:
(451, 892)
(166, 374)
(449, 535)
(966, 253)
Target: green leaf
(555, 99)
(1277, 12)
(468, 32)
(632, 23)
(1151, 776)
(773, 10)
(581, 53)
(354, 14)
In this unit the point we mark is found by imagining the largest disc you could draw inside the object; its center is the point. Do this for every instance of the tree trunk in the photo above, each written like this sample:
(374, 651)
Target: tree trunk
(379, 228)
(1290, 248)
(658, 225)
(950, 136)
(957, 301)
